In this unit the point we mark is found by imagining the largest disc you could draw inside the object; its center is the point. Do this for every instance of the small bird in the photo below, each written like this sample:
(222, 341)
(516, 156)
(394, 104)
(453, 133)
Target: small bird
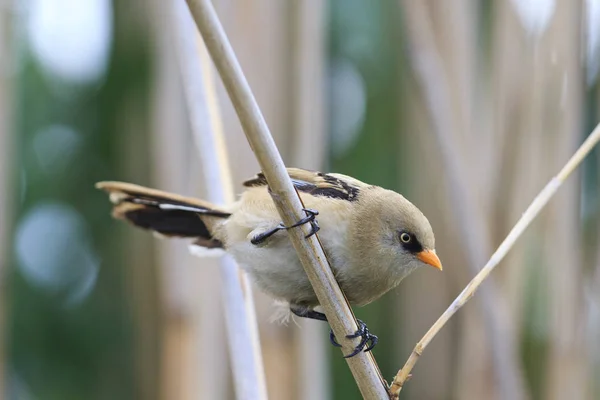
(373, 237)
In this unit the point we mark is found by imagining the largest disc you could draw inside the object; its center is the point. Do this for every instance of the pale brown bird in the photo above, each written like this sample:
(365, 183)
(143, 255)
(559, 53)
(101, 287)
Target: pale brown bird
(373, 237)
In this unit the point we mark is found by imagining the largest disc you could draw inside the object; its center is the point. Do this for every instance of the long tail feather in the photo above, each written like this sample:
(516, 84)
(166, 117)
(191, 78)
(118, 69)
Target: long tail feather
(165, 213)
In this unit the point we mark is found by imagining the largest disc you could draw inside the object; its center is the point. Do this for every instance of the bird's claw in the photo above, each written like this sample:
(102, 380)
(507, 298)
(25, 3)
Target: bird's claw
(310, 218)
(367, 338)
(332, 339)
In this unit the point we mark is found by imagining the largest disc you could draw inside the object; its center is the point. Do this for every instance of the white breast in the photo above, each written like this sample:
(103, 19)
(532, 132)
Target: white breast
(274, 265)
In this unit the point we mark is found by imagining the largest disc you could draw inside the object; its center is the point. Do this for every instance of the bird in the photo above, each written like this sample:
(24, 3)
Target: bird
(373, 237)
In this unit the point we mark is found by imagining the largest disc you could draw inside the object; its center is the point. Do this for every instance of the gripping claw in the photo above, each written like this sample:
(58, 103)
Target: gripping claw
(367, 339)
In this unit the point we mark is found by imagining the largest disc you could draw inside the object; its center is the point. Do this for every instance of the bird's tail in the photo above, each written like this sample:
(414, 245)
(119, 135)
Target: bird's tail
(166, 213)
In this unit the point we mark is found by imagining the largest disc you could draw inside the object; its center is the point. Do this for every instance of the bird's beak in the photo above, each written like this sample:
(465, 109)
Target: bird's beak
(429, 257)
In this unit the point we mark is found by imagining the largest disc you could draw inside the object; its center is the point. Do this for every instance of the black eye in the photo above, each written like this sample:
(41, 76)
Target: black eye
(410, 242)
(405, 237)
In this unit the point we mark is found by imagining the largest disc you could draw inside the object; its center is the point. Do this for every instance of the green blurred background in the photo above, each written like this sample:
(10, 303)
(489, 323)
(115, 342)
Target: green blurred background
(466, 107)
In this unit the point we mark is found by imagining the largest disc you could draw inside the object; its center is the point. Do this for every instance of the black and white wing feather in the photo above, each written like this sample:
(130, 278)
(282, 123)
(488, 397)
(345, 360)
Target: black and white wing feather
(335, 186)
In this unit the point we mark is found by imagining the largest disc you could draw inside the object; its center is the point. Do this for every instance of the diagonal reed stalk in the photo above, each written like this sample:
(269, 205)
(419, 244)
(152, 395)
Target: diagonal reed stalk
(530, 214)
(313, 259)
(449, 124)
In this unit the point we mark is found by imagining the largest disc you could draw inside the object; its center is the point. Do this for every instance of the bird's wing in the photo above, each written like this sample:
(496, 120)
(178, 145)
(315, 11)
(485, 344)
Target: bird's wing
(336, 186)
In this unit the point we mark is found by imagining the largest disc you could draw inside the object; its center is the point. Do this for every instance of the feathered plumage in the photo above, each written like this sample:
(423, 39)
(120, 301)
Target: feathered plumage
(335, 186)
(372, 237)
(362, 232)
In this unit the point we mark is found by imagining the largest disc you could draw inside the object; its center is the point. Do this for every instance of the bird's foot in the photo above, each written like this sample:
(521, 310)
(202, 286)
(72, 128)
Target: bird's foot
(362, 332)
(310, 218)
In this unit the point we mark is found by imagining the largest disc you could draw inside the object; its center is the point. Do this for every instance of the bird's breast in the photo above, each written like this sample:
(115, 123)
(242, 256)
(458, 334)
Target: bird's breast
(274, 264)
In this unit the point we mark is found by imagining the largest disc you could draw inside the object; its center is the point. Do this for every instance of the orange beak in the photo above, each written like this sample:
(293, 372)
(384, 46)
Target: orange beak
(429, 257)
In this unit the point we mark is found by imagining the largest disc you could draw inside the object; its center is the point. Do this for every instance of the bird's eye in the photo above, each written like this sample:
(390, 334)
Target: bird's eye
(405, 237)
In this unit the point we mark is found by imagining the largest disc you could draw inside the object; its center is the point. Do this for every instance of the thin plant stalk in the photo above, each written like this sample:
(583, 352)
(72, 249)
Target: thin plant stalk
(530, 214)
(439, 95)
(307, 126)
(207, 127)
(339, 314)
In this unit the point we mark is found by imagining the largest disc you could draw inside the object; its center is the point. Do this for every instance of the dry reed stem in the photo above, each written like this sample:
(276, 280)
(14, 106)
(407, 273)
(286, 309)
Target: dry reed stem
(340, 316)
(530, 214)
(433, 74)
(307, 126)
(207, 127)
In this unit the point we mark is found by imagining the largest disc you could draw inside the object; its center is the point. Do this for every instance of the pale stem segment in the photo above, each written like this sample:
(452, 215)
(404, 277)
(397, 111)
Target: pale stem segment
(530, 214)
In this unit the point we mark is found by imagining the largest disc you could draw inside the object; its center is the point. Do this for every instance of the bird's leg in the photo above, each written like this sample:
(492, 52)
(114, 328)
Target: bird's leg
(319, 316)
(310, 218)
(261, 237)
(362, 331)
(308, 313)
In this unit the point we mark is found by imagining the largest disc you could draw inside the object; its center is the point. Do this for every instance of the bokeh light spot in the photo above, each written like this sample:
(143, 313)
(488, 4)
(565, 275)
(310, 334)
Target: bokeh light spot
(54, 251)
(71, 38)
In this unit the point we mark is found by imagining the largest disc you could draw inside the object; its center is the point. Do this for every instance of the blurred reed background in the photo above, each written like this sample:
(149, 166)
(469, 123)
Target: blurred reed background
(466, 107)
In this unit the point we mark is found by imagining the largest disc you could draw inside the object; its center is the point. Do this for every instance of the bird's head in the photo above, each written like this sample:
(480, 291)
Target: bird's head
(397, 232)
